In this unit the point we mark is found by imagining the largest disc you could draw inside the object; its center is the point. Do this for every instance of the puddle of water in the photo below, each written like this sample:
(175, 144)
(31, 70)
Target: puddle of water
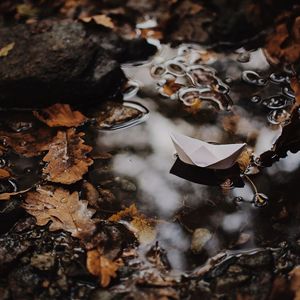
(144, 155)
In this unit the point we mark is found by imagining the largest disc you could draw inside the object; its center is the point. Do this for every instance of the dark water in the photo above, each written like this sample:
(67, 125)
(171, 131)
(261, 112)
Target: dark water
(143, 155)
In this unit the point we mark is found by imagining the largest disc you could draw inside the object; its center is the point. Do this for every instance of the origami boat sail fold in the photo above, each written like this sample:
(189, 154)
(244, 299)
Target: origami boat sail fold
(205, 155)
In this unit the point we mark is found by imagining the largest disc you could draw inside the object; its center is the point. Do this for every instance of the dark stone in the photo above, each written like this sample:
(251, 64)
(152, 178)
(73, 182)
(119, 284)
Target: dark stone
(63, 62)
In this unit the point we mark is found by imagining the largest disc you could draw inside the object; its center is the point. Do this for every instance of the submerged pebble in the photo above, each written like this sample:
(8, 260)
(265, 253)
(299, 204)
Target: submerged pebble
(199, 239)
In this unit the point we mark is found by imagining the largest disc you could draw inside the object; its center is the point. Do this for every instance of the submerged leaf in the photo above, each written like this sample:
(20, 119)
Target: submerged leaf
(100, 20)
(6, 49)
(6, 196)
(60, 115)
(28, 144)
(140, 225)
(4, 174)
(65, 210)
(99, 265)
(67, 157)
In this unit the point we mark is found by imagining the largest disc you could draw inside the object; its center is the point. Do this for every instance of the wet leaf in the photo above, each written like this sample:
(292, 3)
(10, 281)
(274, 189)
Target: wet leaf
(295, 282)
(65, 210)
(130, 211)
(284, 44)
(26, 10)
(171, 87)
(116, 113)
(28, 144)
(4, 174)
(140, 225)
(7, 196)
(244, 160)
(67, 157)
(91, 194)
(99, 265)
(100, 20)
(4, 51)
(60, 115)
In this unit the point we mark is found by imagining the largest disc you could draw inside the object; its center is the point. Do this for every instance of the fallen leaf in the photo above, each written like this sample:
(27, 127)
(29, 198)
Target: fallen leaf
(130, 211)
(295, 282)
(244, 160)
(99, 265)
(67, 157)
(90, 194)
(28, 144)
(65, 210)
(60, 115)
(295, 85)
(115, 113)
(284, 44)
(26, 10)
(195, 107)
(100, 20)
(4, 174)
(139, 224)
(6, 196)
(6, 49)
(171, 87)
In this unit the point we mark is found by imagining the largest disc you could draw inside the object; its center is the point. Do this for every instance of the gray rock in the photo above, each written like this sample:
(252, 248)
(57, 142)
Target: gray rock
(62, 62)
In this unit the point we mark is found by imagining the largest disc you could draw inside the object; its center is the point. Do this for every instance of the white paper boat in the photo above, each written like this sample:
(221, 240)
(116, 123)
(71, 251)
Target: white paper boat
(206, 155)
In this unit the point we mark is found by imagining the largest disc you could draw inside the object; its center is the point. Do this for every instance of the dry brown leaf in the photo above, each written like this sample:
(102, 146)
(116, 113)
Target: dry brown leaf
(28, 144)
(99, 265)
(6, 49)
(140, 225)
(4, 174)
(67, 157)
(60, 115)
(65, 210)
(90, 194)
(6, 196)
(100, 20)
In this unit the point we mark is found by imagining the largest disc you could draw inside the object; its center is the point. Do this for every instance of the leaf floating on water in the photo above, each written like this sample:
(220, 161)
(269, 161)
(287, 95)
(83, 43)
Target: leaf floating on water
(244, 160)
(60, 115)
(4, 51)
(28, 144)
(113, 116)
(100, 20)
(67, 157)
(99, 265)
(65, 210)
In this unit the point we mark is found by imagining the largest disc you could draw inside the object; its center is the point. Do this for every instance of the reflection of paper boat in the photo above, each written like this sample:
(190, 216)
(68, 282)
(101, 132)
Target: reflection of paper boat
(205, 155)
(205, 175)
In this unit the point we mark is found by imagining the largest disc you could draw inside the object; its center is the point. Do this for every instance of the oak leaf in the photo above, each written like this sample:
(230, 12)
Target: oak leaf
(60, 115)
(99, 265)
(6, 196)
(67, 157)
(65, 210)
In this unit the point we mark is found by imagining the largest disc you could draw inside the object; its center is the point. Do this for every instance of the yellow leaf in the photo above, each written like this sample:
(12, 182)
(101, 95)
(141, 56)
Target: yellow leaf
(99, 265)
(6, 49)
